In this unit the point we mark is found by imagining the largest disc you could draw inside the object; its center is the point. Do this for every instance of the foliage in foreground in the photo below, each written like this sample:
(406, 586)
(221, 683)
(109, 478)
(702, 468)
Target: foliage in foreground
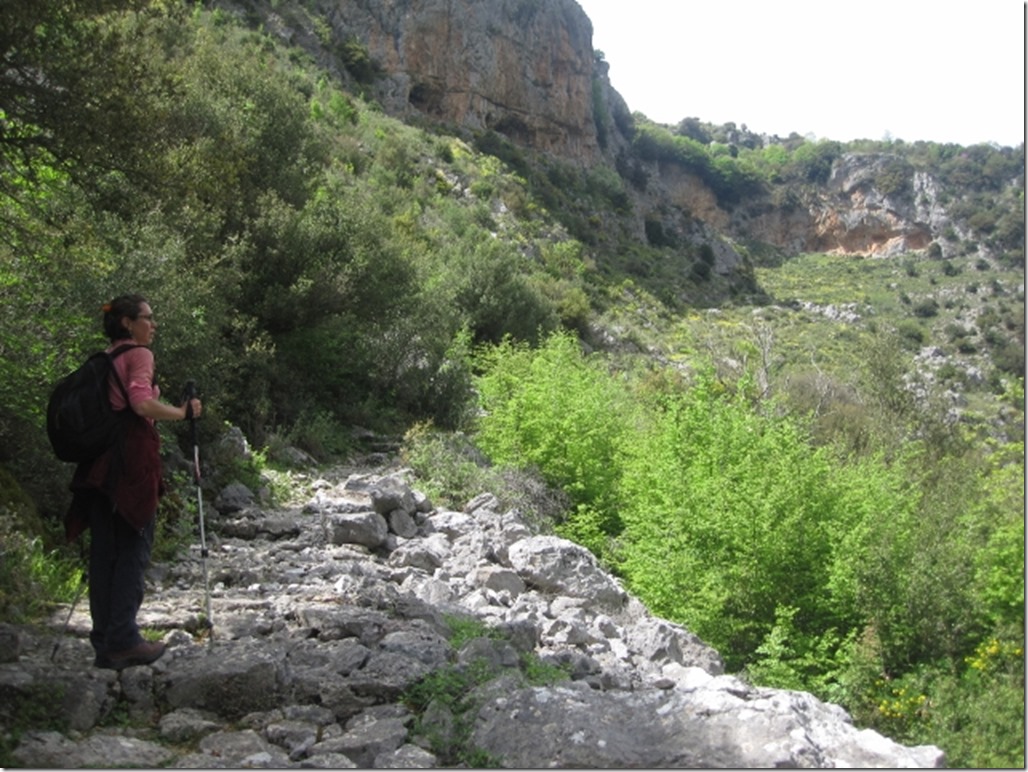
(869, 580)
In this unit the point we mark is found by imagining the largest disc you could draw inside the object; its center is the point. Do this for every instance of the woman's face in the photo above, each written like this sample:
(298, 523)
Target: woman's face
(142, 328)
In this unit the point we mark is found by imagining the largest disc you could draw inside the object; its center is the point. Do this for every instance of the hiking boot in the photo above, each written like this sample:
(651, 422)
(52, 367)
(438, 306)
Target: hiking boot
(141, 654)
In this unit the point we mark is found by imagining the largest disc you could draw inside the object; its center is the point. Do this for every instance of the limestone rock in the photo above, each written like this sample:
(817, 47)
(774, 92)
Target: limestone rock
(318, 636)
(725, 724)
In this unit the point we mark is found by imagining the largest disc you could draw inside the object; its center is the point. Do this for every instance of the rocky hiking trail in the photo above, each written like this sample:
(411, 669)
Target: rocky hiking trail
(364, 627)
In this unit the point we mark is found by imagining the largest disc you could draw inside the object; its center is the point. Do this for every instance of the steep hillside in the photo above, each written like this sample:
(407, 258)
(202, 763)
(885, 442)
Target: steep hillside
(526, 71)
(700, 216)
(697, 214)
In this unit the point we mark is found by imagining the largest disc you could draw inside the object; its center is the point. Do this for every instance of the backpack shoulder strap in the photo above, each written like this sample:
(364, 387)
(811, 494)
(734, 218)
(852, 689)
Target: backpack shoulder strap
(114, 370)
(122, 349)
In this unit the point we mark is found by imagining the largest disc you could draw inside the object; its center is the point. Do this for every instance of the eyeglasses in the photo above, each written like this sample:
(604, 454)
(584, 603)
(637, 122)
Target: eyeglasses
(148, 317)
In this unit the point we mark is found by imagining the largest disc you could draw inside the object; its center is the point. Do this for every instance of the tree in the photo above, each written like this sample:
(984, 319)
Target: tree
(77, 91)
(694, 129)
(812, 162)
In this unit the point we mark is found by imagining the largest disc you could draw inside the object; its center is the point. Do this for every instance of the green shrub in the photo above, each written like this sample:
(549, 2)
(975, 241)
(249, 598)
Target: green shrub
(927, 308)
(555, 410)
(701, 271)
(449, 691)
(727, 511)
(358, 62)
(895, 178)
(464, 629)
(321, 434)
(790, 659)
(974, 712)
(911, 333)
(446, 701)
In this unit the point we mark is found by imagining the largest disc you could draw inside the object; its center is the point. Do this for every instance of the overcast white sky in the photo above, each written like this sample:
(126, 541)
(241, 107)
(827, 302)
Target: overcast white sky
(907, 69)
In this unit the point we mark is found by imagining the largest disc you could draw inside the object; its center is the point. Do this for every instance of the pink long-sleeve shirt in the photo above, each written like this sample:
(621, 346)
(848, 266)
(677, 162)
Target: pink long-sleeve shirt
(135, 367)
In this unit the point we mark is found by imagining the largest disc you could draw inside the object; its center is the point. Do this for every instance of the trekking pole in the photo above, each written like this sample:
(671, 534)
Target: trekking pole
(83, 579)
(190, 394)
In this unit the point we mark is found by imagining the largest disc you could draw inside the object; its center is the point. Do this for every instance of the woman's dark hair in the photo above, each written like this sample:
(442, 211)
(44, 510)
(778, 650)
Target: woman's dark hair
(116, 310)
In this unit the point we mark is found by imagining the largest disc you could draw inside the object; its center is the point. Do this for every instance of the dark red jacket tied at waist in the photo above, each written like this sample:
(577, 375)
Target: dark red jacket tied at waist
(129, 474)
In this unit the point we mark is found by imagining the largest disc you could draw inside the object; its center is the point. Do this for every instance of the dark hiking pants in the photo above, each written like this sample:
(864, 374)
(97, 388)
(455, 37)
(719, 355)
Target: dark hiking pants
(118, 557)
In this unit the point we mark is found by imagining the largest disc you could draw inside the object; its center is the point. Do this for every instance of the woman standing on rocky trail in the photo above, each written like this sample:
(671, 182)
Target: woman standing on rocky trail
(115, 496)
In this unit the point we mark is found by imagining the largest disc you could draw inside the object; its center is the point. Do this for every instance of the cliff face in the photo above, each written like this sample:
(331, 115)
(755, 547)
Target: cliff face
(851, 214)
(526, 69)
(523, 68)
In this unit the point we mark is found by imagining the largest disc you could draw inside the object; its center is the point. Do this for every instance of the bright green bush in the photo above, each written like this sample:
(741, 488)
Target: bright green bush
(940, 569)
(728, 513)
(868, 581)
(556, 410)
(789, 658)
(999, 561)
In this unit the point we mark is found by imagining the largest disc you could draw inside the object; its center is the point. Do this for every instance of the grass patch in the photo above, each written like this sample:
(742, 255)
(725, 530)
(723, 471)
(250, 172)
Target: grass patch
(446, 701)
(463, 629)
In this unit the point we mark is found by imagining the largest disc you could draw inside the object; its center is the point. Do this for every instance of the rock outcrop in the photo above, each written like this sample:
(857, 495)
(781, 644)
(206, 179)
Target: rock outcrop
(870, 206)
(522, 68)
(329, 615)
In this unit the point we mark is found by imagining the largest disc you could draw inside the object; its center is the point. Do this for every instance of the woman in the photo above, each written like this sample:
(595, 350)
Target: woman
(116, 495)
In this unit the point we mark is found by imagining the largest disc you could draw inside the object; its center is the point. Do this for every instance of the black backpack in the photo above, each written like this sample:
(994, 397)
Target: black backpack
(80, 421)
